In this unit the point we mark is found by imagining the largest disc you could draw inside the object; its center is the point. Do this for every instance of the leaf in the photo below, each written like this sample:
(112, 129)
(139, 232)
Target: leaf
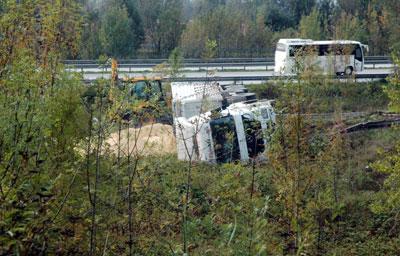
(232, 233)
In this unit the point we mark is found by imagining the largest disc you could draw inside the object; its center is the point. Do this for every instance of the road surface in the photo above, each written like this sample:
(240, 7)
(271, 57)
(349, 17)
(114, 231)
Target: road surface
(230, 75)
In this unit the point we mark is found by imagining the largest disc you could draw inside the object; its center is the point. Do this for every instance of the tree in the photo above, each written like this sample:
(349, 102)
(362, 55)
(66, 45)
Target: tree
(134, 16)
(388, 200)
(284, 14)
(39, 116)
(301, 8)
(357, 7)
(91, 47)
(162, 22)
(277, 17)
(375, 37)
(390, 21)
(349, 27)
(310, 26)
(52, 33)
(295, 172)
(116, 34)
(235, 33)
(327, 10)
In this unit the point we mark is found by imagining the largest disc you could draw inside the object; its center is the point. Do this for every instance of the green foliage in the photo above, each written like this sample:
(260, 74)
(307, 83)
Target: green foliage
(393, 89)
(117, 32)
(326, 94)
(389, 165)
(241, 28)
(231, 28)
(350, 27)
(175, 62)
(162, 23)
(64, 190)
(41, 127)
(310, 26)
(52, 33)
(210, 49)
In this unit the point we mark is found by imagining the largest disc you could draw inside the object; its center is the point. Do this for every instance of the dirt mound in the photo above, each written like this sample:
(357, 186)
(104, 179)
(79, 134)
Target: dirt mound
(153, 139)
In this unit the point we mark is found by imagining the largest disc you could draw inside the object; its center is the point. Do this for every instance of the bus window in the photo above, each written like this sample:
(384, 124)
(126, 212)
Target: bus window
(225, 141)
(337, 49)
(291, 51)
(302, 50)
(295, 50)
(358, 54)
(323, 50)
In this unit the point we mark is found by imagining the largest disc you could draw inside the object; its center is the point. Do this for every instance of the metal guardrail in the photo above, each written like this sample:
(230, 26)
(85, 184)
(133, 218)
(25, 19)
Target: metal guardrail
(264, 78)
(200, 63)
(189, 60)
(371, 125)
(238, 79)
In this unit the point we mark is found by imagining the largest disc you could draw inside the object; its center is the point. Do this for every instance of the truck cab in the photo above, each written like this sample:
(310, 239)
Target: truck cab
(151, 98)
(238, 133)
(143, 88)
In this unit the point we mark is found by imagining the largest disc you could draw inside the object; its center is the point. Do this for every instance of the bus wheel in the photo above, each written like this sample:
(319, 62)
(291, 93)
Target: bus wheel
(348, 71)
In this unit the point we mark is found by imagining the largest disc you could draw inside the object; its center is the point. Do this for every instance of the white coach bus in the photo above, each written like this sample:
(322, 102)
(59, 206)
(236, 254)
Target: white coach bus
(341, 57)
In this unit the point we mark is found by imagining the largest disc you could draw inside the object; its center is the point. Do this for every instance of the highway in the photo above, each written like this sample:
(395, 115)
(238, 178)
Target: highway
(196, 64)
(246, 70)
(233, 76)
(236, 67)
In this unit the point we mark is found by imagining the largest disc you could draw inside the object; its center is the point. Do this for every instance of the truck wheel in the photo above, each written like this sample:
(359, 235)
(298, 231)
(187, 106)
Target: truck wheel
(348, 71)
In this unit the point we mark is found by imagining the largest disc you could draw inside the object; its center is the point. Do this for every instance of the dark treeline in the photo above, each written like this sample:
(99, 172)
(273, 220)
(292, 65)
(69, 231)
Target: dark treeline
(152, 28)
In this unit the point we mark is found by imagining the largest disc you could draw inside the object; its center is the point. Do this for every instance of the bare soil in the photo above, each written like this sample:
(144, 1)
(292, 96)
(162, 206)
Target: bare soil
(152, 139)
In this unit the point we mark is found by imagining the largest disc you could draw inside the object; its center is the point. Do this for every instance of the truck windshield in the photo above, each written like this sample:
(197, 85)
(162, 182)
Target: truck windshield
(156, 89)
(145, 90)
(225, 139)
(254, 138)
(140, 90)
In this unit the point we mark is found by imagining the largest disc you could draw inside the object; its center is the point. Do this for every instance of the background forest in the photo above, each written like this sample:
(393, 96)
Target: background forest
(65, 191)
(241, 28)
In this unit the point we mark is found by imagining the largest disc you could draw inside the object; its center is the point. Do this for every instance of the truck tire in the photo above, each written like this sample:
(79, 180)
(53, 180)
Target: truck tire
(348, 71)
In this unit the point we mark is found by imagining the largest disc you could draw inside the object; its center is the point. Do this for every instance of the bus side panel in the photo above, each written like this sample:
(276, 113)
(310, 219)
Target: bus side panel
(343, 61)
(280, 62)
(337, 61)
(358, 66)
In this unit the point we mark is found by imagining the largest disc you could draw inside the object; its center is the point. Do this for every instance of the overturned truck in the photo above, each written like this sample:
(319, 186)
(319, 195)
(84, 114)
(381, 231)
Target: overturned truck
(220, 123)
